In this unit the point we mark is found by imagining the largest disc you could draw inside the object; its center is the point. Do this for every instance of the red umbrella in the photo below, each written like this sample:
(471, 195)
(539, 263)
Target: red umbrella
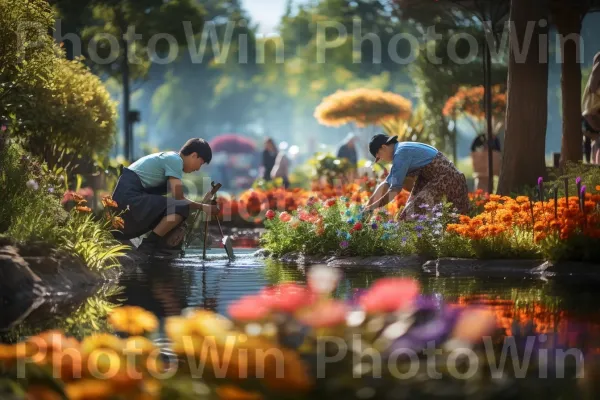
(233, 143)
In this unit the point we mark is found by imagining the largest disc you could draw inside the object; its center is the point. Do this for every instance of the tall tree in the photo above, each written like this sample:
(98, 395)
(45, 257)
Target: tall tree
(568, 15)
(149, 19)
(527, 103)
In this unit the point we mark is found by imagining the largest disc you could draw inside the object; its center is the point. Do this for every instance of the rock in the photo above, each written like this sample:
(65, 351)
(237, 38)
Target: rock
(414, 262)
(261, 253)
(474, 267)
(20, 287)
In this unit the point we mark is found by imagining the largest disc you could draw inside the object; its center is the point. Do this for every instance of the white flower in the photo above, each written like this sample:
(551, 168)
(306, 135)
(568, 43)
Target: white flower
(323, 279)
(31, 184)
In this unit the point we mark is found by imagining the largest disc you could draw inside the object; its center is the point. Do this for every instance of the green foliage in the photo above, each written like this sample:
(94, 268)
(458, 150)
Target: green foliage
(589, 174)
(32, 211)
(29, 196)
(91, 240)
(74, 118)
(59, 110)
(330, 167)
(331, 227)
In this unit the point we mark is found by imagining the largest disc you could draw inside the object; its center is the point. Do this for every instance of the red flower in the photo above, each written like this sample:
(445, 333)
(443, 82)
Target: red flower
(270, 214)
(358, 226)
(330, 203)
(285, 217)
(249, 308)
(327, 314)
(287, 297)
(390, 294)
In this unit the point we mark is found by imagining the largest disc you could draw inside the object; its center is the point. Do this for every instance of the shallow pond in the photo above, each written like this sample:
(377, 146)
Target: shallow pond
(570, 309)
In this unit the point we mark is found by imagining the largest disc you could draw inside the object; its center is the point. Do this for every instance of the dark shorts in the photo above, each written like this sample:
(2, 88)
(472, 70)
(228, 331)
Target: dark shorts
(147, 206)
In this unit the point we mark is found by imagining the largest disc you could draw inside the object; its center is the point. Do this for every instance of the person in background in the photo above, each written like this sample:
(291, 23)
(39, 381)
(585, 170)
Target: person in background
(281, 168)
(348, 150)
(480, 143)
(268, 158)
(436, 176)
(590, 107)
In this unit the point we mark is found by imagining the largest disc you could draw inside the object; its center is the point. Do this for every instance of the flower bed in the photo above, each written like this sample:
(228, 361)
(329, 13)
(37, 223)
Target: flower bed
(500, 227)
(286, 341)
(251, 207)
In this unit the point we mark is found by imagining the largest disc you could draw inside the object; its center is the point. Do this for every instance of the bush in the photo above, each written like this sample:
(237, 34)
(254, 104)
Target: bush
(29, 196)
(31, 211)
(57, 108)
(75, 117)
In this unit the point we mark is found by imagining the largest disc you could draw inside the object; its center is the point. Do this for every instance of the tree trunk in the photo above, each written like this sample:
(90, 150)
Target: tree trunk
(568, 23)
(525, 137)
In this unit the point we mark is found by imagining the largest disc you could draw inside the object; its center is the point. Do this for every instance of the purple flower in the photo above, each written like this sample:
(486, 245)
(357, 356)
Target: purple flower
(578, 180)
(344, 244)
(374, 226)
(419, 228)
(540, 180)
(582, 191)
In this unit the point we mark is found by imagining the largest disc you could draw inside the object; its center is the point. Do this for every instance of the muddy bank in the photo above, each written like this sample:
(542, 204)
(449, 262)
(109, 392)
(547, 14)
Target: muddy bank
(36, 275)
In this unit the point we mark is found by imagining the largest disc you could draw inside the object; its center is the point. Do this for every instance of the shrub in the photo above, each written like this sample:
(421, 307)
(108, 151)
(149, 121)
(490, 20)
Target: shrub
(58, 109)
(29, 196)
(75, 117)
(31, 211)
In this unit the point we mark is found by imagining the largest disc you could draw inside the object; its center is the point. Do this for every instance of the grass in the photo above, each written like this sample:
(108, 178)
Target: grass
(32, 211)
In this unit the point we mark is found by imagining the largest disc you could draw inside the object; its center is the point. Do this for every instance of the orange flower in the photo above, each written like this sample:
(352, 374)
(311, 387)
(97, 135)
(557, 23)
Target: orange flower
(83, 209)
(107, 201)
(133, 320)
(118, 223)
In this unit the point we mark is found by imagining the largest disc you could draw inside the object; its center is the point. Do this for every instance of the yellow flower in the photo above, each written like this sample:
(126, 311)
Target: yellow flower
(133, 320)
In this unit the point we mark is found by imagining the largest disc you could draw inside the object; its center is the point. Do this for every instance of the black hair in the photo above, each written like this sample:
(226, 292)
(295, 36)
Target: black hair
(198, 146)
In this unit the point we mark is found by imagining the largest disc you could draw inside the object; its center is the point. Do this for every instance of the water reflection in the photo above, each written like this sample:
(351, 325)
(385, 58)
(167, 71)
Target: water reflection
(569, 309)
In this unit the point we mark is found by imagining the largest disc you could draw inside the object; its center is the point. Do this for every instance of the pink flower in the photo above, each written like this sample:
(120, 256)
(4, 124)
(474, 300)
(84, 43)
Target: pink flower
(390, 294)
(249, 308)
(327, 314)
(285, 217)
(287, 297)
(270, 214)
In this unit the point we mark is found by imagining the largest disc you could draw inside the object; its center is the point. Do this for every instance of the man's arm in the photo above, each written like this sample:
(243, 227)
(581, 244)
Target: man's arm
(177, 193)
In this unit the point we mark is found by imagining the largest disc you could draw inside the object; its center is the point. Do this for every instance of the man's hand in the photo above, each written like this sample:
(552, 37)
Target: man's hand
(211, 209)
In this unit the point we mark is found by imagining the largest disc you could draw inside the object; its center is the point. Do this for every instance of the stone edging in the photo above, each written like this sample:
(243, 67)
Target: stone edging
(37, 274)
(452, 266)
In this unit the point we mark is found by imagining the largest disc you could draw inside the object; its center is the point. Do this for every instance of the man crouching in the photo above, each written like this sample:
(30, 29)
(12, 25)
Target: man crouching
(142, 187)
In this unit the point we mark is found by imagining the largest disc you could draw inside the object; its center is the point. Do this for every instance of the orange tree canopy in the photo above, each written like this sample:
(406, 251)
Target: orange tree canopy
(362, 107)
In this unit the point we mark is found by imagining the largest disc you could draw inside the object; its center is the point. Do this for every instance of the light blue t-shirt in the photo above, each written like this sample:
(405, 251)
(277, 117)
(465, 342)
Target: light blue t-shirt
(155, 169)
(408, 156)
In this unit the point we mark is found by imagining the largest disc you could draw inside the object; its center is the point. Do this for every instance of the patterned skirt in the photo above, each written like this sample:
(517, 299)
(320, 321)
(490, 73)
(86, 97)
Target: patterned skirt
(437, 180)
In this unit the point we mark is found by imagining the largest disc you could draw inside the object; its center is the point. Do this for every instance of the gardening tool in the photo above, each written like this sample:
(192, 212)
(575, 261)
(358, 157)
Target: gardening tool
(226, 240)
(191, 227)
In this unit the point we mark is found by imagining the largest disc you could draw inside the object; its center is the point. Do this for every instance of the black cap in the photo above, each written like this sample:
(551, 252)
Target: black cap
(379, 140)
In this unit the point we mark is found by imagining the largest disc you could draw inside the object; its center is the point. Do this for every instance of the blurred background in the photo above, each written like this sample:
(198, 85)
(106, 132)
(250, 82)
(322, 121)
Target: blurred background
(258, 77)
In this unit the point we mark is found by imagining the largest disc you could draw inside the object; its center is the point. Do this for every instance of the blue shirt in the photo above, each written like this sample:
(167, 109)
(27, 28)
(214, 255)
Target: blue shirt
(408, 156)
(155, 169)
